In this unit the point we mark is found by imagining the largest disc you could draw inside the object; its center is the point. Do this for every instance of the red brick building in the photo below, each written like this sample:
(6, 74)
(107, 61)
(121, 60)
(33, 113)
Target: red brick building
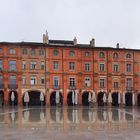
(70, 72)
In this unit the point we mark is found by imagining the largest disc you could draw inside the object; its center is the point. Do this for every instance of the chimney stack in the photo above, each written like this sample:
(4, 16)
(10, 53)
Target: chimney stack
(92, 42)
(46, 38)
(118, 45)
(75, 41)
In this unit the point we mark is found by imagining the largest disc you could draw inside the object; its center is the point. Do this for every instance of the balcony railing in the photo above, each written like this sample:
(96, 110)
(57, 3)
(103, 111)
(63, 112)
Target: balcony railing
(72, 87)
(1, 86)
(12, 86)
(129, 88)
(56, 87)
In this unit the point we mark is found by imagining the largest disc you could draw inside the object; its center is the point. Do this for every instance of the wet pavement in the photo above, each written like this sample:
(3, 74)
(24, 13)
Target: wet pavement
(81, 123)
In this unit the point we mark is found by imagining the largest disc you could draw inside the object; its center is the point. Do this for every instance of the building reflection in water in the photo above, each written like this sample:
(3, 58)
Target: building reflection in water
(69, 118)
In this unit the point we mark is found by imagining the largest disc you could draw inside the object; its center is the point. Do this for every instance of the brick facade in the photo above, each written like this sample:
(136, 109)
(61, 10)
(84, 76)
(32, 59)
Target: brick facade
(99, 63)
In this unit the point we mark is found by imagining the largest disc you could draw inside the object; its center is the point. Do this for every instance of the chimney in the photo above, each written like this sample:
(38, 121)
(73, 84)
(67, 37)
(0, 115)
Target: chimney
(75, 41)
(46, 38)
(118, 45)
(92, 42)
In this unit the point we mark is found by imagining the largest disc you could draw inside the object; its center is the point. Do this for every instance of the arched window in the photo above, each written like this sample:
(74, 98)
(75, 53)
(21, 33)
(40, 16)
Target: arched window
(55, 52)
(87, 54)
(12, 51)
(101, 55)
(128, 55)
(24, 51)
(115, 55)
(71, 53)
(41, 52)
(32, 52)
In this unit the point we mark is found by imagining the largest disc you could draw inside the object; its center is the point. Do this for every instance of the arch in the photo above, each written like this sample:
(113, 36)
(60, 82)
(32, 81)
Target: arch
(85, 98)
(15, 103)
(69, 99)
(128, 99)
(52, 98)
(138, 99)
(34, 98)
(100, 98)
(1, 98)
(115, 99)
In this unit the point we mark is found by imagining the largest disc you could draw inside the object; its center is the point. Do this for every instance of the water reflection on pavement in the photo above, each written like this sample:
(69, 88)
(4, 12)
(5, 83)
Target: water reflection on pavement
(69, 123)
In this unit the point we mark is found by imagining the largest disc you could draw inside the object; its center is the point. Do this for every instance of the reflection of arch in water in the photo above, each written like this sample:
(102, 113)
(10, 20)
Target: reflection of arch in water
(34, 115)
(15, 103)
(128, 99)
(69, 99)
(85, 115)
(115, 99)
(85, 98)
(1, 98)
(73, 115)
(100, 98)
(138, 99)
(115, 115)
(56, 114)
(34, 98)
(53, 98)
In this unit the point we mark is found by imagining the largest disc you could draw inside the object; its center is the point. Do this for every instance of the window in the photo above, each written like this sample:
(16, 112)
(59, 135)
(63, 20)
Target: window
(43, 80)
(33, 65)
(12, 80)
(128, 67)
(24, 51)
(23, 80)
(55, 65)
(1, 50)
(87, 54)
(12, 51)
(129, 82)
(101, 55)
(102, 83)
(87, 82)
(12, 65)
(1, 79)
(115, 55)
(115, 84)
(23, 64)
(102, 67)
(115, 68)
(42, 65)
(32, 52)
(41, 52)
(56, 81)
(1, 65)
(72, 82)
(87, 66)
(71, 54)
(55, 52)
(33, 80)
(128, 55)
(71, 65)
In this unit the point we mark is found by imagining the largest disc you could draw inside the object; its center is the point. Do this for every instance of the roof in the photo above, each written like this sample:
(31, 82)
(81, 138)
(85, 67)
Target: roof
(65, 44)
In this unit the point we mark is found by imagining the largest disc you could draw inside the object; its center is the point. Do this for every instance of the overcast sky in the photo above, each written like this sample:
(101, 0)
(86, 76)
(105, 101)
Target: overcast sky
(108, 21)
